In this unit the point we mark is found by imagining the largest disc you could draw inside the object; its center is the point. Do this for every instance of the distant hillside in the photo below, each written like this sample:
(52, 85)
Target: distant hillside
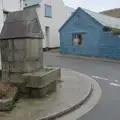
(112, 12)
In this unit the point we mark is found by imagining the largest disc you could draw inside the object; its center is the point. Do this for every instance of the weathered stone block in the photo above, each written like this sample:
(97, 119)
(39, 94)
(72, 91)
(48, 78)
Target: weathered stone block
(42, 83)
(7, 103)
(42, 79)
(42, 92)
(16, 78)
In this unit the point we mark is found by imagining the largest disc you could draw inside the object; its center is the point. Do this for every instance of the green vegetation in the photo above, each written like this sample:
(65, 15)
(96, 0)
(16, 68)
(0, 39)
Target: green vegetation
(113, 30)
(57, 50)
(112, 12)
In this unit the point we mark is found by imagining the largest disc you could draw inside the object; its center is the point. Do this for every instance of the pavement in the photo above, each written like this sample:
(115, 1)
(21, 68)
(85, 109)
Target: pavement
(105, 73)
(73, 91)
(101, 59)
(88, 105)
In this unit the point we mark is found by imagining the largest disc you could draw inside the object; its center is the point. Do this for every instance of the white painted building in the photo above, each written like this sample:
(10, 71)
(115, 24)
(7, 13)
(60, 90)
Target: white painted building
(52, 15)
(7, 6)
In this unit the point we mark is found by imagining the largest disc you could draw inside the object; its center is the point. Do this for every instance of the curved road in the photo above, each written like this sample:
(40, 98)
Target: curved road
(106, 74)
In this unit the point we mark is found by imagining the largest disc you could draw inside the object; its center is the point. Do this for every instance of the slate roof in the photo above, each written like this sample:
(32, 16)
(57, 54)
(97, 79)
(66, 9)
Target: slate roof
(101, 18)
(104, 19)
(22, 24)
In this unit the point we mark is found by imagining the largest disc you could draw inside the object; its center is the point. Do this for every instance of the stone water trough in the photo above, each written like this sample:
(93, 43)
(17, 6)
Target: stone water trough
(38, 84)
(22, 59)
(42, 83)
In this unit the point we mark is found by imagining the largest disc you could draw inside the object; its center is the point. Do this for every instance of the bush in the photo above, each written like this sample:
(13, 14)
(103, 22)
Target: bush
(113, 30)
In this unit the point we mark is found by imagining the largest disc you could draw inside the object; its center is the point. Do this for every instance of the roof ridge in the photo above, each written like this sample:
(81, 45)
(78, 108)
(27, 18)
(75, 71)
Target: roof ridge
(100, 18)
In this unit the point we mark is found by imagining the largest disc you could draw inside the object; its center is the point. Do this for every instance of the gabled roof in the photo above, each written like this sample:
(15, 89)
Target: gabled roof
(29, 3)
(101, 18)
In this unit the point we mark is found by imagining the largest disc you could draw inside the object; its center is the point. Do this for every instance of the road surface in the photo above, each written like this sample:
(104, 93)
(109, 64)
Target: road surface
(106, 74)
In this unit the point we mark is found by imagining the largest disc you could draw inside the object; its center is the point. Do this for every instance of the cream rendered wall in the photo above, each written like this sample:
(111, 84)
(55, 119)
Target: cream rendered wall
(12, 5)
(60, 14)
(7, 5)
(1, 25)
(1, 15)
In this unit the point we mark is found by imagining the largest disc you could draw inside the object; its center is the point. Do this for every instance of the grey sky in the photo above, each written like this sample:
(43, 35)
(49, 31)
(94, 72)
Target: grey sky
(94, 5)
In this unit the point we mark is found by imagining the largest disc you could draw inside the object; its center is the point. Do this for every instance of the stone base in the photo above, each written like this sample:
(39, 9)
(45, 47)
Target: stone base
(37, 84)
(42, 79)
(71, 93)
(42, 92)
(7, 103)
(42, 83)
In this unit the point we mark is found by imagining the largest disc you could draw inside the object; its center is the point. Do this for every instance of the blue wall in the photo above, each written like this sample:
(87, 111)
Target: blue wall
(109, 45)
(80, 22)
(96, 42)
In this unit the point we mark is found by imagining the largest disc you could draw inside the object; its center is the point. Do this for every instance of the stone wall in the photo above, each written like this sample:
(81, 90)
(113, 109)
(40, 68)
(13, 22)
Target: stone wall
(21, 55)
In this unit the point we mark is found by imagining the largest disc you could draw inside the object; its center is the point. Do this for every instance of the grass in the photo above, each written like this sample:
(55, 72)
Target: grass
(56, 50)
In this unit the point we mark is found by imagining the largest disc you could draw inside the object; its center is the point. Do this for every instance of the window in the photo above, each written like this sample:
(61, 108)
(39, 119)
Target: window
(48, 11)
(77, 39)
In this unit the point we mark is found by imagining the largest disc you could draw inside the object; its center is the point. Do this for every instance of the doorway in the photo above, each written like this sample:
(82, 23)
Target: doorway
(47, 34)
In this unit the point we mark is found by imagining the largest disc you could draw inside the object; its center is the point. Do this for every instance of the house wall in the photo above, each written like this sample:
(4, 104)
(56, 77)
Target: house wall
(109, 45)
(13, 5)
(59, 15)
(81, 22)
(1, 15)
(96, 42)
(1, 25)
(7, 5)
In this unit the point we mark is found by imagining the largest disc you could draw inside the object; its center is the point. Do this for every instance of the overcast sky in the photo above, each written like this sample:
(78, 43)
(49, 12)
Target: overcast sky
(94, 5)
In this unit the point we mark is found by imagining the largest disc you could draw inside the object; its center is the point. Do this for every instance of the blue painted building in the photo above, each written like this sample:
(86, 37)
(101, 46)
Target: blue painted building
(84, 34)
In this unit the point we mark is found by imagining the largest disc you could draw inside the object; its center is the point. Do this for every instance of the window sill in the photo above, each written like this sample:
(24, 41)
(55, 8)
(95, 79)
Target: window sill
(48, 17)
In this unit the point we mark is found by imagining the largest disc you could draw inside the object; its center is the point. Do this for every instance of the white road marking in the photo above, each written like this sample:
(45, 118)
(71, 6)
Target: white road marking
(101, 78)
(116, 81)
(114, 84)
